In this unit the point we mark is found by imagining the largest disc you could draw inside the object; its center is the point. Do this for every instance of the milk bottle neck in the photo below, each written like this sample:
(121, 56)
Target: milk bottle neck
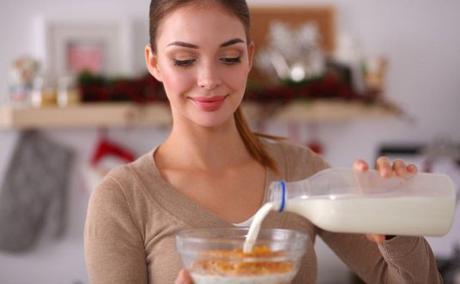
(279, 192)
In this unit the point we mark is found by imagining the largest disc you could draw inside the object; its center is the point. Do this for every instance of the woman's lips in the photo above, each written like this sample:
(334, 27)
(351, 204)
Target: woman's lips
(209, 103)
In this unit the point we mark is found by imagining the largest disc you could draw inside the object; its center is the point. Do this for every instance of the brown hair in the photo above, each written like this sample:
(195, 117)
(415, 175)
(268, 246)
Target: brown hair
(160, 8)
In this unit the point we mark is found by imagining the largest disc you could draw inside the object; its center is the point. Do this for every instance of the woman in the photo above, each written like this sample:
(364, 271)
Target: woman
(212, 171)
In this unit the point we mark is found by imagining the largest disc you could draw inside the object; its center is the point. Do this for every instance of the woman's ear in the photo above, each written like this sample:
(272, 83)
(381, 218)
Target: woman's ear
(151, 61)
(251, 53)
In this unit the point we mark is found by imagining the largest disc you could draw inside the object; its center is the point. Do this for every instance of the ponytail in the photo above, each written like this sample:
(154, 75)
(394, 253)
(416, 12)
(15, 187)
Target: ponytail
(252, 142)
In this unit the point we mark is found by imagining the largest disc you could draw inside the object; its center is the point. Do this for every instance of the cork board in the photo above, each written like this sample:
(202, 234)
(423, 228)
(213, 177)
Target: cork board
(263, 16)
(324, 16)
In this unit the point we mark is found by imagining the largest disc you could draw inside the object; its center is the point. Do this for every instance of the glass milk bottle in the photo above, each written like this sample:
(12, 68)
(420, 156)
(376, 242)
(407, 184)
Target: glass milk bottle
(343, 200)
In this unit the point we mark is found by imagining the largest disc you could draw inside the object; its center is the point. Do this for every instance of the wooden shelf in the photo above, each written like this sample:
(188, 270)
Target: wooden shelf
(85, 115)
(331, 111)
(128, 114)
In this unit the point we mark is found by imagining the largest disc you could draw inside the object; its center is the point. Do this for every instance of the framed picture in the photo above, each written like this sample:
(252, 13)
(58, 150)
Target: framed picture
(69, 47)
(87, 54)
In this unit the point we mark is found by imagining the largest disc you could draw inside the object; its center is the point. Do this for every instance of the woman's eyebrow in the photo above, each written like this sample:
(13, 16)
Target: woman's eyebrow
(190, 45)
(183, 44)
(232, 41)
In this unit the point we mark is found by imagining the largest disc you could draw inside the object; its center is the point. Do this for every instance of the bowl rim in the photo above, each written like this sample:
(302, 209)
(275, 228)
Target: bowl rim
(197, 235)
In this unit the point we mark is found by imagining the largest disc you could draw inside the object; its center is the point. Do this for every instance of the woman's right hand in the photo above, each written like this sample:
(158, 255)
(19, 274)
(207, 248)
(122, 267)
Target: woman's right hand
(183, 278)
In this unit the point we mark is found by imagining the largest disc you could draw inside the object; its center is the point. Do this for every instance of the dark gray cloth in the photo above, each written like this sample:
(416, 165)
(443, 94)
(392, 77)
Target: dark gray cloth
(34, 191)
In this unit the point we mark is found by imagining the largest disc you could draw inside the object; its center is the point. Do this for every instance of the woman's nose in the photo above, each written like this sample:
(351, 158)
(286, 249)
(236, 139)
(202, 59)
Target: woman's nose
(208, 77)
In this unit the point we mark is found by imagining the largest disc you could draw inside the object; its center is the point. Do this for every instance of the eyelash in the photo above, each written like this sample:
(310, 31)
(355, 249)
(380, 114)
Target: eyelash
(231, 60)
(184, 63)
(225, 60)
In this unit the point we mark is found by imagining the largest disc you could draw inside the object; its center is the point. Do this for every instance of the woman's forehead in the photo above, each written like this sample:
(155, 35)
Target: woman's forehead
(200, 24)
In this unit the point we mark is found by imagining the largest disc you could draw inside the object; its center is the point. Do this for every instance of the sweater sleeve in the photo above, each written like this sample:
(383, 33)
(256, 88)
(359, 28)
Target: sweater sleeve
(399, 260)
(114, 248)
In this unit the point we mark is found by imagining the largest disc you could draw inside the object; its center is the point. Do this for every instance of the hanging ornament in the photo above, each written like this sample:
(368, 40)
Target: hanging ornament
(106, 156)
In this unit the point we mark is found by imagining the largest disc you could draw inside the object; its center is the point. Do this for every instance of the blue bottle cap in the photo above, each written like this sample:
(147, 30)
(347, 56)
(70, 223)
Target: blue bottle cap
(283, 195)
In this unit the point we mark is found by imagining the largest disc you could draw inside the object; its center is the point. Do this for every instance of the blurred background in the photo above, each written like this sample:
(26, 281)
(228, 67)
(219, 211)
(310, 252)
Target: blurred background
(350, 79)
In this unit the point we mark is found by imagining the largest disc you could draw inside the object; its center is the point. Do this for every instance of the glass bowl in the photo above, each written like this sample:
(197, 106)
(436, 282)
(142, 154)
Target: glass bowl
(216, 255)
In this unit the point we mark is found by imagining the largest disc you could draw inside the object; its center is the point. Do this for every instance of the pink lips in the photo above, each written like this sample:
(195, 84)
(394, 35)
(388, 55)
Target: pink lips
(209, 103)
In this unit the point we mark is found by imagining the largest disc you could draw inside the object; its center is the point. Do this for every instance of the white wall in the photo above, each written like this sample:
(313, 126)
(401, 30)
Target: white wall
(419, 38)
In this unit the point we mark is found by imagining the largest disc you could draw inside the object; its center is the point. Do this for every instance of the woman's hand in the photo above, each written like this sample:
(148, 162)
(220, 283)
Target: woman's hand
(386, 169)
(183, 278)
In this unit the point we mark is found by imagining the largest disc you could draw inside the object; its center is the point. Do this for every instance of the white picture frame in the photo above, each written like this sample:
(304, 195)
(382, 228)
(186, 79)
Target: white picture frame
(111, 38)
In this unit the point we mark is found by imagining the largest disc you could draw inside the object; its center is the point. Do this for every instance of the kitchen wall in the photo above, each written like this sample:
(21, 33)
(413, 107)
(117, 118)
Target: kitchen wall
(419, 38)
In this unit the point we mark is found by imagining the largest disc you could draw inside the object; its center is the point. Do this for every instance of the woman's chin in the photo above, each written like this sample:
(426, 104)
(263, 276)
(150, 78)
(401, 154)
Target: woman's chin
(211, 121)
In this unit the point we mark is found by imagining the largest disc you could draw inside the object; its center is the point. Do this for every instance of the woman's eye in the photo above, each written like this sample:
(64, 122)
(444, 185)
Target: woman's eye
(231, 60)
(184, 63)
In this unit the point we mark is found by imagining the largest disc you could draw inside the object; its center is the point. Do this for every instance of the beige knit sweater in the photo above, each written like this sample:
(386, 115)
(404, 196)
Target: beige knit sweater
(134, 214)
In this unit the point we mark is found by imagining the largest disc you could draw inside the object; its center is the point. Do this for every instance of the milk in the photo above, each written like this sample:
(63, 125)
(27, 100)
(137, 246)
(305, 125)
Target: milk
(341, 200)
(417, 216)
(255, 226)
(284, 278)
(412, 216)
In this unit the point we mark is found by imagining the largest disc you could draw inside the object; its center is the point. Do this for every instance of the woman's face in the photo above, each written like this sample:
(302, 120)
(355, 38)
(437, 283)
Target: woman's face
(203, 60)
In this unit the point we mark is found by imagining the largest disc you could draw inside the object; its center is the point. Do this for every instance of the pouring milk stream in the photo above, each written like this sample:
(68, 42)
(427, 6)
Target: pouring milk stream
(343, 200)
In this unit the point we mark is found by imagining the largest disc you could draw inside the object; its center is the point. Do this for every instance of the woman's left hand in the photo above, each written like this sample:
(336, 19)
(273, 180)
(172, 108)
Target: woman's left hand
(386, 169)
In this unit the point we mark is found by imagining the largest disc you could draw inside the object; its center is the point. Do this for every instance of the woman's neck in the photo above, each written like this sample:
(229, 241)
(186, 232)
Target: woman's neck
(204, 148)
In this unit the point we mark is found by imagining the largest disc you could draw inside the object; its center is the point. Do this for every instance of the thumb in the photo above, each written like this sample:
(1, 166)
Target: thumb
(183, 278)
